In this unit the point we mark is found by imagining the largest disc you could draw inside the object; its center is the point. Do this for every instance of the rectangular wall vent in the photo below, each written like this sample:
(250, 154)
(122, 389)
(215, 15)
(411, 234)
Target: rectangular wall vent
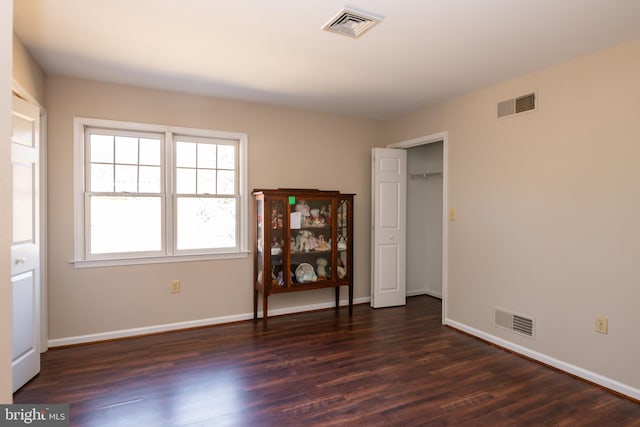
(517, 105)
(519, 324)
(526, 103)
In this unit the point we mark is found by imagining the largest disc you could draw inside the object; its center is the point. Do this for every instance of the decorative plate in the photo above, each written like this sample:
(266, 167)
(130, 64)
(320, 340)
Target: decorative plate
(305, 273)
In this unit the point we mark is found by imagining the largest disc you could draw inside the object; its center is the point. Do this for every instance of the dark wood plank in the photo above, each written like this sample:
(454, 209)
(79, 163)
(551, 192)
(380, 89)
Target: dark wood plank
(385, 367)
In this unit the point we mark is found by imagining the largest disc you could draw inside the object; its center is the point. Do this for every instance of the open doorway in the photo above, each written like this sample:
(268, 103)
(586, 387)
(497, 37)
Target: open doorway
(424, 220)
(426, 244)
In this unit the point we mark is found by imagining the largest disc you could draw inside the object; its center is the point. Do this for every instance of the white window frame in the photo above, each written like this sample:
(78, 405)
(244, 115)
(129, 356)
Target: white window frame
(169, 252)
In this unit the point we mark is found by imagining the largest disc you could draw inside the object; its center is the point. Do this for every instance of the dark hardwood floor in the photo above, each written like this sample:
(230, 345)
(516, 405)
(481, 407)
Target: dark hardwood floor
(386, 367)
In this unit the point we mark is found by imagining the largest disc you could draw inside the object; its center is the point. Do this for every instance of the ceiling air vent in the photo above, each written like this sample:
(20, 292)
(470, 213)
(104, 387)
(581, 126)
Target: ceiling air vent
(514, 322)
(517, 105)
(349, 22)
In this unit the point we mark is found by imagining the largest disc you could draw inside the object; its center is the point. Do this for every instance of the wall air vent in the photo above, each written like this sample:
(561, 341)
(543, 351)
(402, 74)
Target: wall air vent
(519, 324)
(351, 23)
(517, 105)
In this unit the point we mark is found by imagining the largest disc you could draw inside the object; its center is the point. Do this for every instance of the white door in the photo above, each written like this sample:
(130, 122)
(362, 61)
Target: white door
(389, 194)
(25, 265)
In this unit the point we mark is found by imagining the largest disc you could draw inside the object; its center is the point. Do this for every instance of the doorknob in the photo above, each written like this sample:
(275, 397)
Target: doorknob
(21, 260)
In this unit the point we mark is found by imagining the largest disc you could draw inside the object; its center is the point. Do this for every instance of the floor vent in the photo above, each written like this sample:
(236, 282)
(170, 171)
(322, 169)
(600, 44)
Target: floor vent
(517, 105)
(351, 23)
(514, 322)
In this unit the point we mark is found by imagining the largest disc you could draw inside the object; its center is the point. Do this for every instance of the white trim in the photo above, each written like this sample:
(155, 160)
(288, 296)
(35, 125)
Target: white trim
(429, 139)
(169, 237)
(422, 140)
(88, 263)
(591, 376)
(78, 188)
(17, 88)
(147, 127)
(44, 268)
(146, 330)
(245, 195)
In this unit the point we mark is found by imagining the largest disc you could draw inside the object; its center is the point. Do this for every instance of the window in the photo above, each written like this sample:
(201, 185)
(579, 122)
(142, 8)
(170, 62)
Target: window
(149, 193)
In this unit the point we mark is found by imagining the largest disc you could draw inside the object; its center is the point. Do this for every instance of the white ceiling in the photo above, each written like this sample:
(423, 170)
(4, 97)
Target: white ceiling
(423, 52)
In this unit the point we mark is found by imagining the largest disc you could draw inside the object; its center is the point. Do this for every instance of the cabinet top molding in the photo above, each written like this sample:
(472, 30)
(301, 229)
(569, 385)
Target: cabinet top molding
(311, 191)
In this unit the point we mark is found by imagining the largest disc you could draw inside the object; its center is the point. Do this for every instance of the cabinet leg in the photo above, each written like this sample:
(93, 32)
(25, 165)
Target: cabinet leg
(265, 304)
(337, 288)
(255, 305)
(351, 298)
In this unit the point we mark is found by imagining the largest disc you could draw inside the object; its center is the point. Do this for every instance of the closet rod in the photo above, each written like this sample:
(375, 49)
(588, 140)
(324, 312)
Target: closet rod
(425, 175)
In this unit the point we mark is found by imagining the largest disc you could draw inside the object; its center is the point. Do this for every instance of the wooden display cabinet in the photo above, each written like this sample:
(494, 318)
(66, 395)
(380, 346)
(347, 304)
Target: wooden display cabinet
(303, 240)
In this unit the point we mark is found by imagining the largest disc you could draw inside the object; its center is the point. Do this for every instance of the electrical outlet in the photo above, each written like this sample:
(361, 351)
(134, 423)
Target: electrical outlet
(175, 286)
(602, 325)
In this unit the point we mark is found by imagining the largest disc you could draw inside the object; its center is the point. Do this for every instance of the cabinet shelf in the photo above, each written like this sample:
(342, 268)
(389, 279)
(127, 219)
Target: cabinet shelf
(303, 241)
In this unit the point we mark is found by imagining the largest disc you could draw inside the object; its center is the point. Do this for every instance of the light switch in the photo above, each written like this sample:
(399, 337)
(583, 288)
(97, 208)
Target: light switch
(453, 214)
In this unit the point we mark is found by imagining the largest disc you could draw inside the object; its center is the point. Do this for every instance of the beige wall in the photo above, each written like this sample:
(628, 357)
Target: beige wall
(6, 35)
(549, 208)
(26, 71)
(287, 148)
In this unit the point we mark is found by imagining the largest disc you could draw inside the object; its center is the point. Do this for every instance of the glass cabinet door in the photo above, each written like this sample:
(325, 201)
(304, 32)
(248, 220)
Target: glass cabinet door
(343, 233)
(276, 245)
(259, 239)
(310, 240)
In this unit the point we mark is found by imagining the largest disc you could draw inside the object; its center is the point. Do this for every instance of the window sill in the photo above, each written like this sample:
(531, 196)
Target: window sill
(113, 262)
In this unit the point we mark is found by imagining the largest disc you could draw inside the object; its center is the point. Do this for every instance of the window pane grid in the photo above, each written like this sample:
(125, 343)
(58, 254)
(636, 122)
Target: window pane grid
(128, 212)
(205, 168)
(135, 163)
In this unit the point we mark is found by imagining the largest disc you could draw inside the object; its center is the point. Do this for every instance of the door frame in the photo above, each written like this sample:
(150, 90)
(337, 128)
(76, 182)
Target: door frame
(430, 139)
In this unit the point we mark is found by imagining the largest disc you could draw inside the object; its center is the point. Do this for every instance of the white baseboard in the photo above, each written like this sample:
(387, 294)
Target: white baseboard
(146, 330)
(585, 374)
